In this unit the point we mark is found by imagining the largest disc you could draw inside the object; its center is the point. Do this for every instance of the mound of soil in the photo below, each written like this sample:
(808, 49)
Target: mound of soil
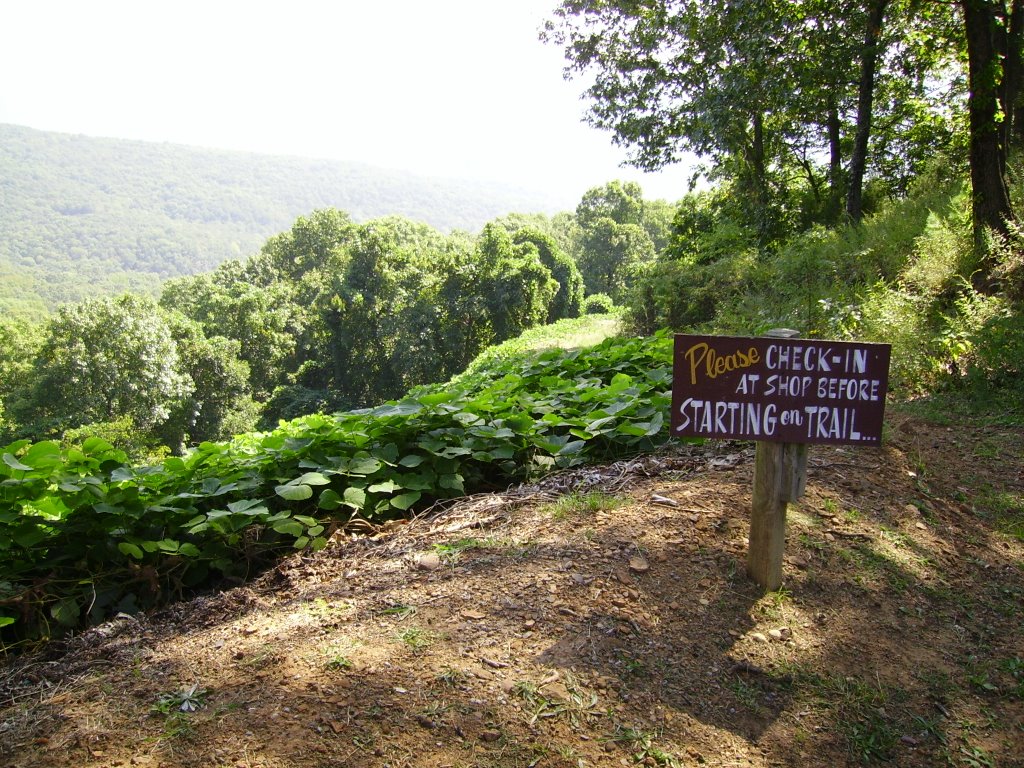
(602, 617)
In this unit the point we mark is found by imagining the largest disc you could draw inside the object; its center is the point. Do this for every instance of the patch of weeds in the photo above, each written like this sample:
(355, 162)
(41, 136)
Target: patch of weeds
(872, 564)
(338, 661)
(400, 612)
(931, 727)
(436, 710)
(568, 753)
(940, 685)
(575, 504)
(1015, 668)
(871, 738)
(745, 694)
(186, 700)
(896, 538)
(812, 543)
(976, 757)
(176, 726)
(540, 751)
(773, 604)
(536, 704)
(264, 654)
(521, 550)
(979, 675)
(830, 507)
(320, 608)
(1005, 510)
(580, 704)
(861, 713)
(987, 449)
(1007, 600)
(644, 749)
(451, 551)
(364, 741)
(631, 665)
(176, 707)
(224, 709)
(451, 677)
(415, 638)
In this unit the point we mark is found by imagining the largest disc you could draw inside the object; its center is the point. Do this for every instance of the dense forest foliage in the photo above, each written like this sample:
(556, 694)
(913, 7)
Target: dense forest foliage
(329, 315)
(83, 217)
(845, 147)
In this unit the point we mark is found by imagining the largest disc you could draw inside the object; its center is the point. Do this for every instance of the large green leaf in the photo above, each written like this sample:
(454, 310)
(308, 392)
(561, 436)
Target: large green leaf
(355, 497)
(13, 463)
(294, 492)
(66, 612)
(405, 500)
(329, 500)
(388, 486)
(290, 527)
(366, 465)
(132, 550)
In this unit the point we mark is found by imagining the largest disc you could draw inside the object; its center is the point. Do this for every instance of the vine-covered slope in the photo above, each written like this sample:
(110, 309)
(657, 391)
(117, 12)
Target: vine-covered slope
(85, 534)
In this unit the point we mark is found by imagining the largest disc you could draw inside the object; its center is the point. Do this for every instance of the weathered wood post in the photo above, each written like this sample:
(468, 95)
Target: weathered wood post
(780, 477)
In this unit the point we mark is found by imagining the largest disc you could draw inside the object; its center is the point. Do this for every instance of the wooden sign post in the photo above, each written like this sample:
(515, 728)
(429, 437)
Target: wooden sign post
(780, 477)
(785, 393)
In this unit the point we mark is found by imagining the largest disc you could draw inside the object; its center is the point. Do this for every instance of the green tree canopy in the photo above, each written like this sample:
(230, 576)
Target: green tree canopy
(569, 297)
(19, 343)
(104, 359)
(771, 93)
(219, 404)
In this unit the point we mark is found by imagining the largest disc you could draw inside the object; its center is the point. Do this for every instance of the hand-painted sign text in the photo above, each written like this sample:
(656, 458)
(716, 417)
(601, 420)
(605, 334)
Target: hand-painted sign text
(779, 390)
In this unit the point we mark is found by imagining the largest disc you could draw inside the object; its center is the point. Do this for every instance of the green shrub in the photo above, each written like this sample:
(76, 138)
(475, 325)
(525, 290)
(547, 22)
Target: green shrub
(942, 255)
(598, 304)
(123, 434)
(682, 294)
(995, 357)
(898, 317)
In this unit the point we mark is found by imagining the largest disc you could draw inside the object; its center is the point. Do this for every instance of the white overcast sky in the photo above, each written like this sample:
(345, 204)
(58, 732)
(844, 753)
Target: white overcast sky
(443, 87)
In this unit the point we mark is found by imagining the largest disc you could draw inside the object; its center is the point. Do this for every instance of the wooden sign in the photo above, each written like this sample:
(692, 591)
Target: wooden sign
(782, 390)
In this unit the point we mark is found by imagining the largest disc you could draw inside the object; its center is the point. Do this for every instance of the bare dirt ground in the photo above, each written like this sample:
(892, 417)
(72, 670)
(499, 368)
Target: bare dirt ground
(610, 630)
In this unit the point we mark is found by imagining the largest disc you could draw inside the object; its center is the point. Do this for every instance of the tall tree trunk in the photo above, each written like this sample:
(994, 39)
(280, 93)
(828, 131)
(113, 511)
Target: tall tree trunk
(835, 162)
(865, 102)
(991, 198)
(757, 163)
(835, 159)
(1014, 74)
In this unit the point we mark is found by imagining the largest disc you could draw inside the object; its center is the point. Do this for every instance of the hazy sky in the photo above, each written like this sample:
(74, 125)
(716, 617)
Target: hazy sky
(443, 87)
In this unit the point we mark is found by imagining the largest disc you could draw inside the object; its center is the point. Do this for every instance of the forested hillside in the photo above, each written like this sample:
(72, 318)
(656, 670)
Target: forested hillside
(83, 216)
(329, 314)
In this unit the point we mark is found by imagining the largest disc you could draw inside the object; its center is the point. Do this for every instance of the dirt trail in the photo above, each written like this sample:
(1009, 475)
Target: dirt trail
(516, 630)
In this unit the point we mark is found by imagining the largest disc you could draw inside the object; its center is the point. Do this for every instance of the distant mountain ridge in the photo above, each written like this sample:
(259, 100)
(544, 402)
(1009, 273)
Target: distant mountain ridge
(82, 216)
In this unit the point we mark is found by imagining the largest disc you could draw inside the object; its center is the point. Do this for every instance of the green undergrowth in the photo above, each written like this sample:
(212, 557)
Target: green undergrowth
(569, 333)
(84, 534)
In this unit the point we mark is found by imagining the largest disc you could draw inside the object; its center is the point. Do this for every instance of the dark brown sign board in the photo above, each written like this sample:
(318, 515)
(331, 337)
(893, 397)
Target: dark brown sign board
(779, 390)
